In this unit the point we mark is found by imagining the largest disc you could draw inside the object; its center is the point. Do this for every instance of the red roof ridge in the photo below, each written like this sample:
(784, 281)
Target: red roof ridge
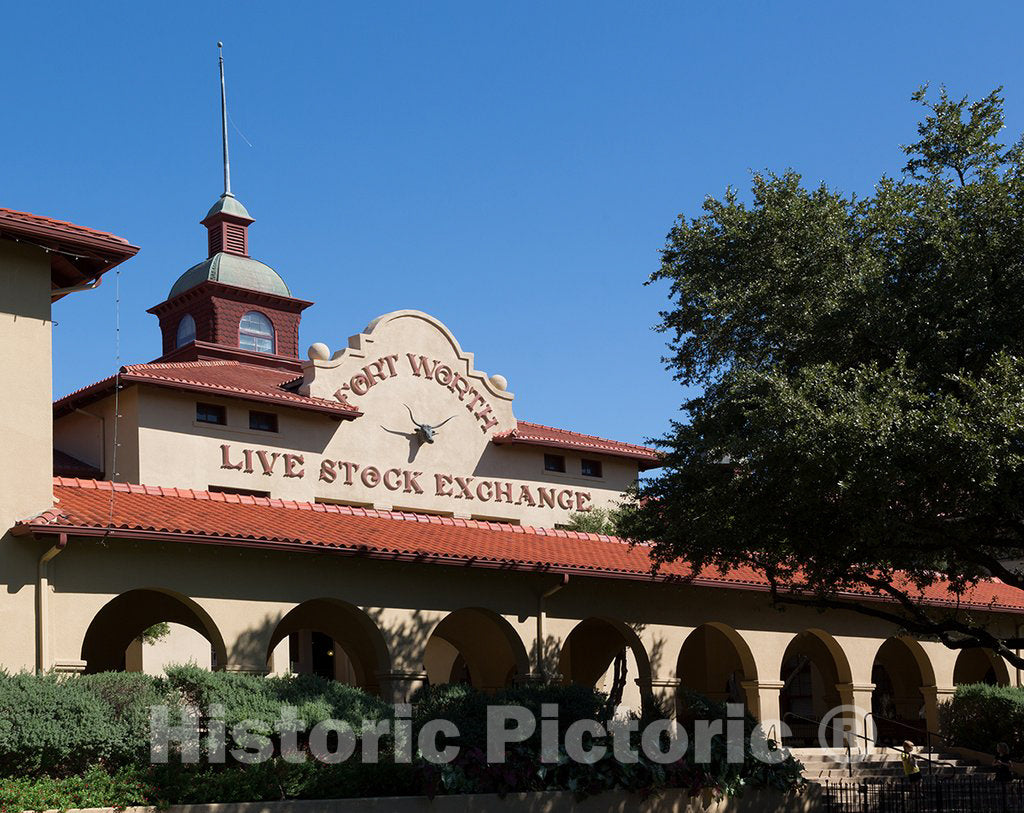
(540, 434)
(330, 508)
(63, 224)
(581, 435)
(160, 372)
(183, 364)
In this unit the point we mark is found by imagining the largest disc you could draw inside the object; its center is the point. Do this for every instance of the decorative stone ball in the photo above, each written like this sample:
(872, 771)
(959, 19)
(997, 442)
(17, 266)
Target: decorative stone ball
(318, 351)
(499, 382)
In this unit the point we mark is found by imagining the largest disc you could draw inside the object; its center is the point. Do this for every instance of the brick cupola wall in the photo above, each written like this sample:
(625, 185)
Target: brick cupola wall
(217, 310)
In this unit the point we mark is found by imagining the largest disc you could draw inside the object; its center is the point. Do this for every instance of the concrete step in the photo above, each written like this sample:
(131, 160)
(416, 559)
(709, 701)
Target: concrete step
(878, 764)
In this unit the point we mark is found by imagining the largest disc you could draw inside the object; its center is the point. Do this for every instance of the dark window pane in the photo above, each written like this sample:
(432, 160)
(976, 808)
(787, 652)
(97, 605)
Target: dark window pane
(211, 413)
(250, 492)
(263, 421)
(554, 462)
(590, 468)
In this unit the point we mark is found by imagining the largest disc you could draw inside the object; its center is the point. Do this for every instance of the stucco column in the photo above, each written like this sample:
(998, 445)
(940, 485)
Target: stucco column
(857, 696)
(281, 657)
(398, 687)
(665, 695)
(763, 700)
(933, 698)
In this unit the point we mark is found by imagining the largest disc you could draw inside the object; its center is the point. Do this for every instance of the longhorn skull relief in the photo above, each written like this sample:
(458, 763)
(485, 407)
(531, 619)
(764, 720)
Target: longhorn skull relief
(425, 432)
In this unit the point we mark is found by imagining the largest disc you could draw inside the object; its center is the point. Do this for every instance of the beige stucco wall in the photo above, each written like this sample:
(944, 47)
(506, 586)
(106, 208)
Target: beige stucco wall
(182, 645)
(26, 380)
(161, 443)
(245, 594)
(26, 486)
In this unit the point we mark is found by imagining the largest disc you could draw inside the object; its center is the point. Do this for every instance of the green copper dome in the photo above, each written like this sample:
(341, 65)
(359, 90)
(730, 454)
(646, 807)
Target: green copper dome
(229, 205)
(230, 269)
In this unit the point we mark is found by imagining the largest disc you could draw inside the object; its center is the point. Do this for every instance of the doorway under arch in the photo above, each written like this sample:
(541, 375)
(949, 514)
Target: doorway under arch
(333, 639)
(114, 637)
(476, 647)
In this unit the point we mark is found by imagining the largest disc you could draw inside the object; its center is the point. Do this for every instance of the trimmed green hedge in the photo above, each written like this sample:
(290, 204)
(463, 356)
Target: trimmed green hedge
(84, 741)
(980, 716)
(60, 725)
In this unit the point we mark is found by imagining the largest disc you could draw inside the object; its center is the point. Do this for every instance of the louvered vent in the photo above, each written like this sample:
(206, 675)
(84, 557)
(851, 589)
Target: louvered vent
(215, 240)
(234, 239)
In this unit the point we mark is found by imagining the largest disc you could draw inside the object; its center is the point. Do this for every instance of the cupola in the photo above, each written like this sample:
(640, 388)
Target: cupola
(230, 305)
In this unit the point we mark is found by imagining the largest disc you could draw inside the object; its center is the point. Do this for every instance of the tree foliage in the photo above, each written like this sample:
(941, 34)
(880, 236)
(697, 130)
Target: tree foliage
(860, 423)
(154, 634)
(596, 521)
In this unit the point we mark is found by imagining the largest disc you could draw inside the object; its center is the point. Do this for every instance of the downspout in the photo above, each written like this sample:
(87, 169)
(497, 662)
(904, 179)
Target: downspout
(541, 615)
(43, 604)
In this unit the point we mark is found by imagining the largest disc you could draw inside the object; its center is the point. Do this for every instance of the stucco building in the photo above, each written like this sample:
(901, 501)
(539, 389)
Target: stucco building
(377, 513)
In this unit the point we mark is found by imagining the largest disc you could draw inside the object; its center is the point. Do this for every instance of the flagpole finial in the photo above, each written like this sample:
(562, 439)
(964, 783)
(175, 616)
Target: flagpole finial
(224, 121)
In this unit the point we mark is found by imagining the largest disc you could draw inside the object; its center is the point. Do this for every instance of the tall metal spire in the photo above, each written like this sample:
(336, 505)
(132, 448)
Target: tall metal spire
(224, 121)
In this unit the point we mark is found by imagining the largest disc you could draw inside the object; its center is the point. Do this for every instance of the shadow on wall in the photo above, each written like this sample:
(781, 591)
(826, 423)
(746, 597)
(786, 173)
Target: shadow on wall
(408, 636)
(250, 648)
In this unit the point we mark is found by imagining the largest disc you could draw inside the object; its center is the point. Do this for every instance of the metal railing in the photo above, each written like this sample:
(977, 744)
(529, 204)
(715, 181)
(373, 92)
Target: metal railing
(817, 723)
(854, 735)
(967, 794)
(928, 734)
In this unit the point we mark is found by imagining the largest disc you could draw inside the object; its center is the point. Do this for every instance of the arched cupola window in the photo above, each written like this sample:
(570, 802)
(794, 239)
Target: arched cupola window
(255, 332)
(186, 331)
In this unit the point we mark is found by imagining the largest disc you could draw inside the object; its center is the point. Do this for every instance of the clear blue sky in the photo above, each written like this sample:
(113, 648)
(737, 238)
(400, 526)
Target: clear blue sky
(510, 168)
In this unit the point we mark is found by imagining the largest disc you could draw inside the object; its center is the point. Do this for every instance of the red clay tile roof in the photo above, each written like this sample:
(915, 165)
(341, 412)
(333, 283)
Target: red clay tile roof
(228, 378)
(39, 225)
(77, 253)
(535, 434)
(88, 507)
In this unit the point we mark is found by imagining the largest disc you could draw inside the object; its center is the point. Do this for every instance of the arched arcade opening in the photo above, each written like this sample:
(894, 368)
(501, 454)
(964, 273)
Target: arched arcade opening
(333, 639)
(900, 673)
(114, 641)
(476, 647)
(715, 661)
(813, 667)
(609, 656)
(980, 666)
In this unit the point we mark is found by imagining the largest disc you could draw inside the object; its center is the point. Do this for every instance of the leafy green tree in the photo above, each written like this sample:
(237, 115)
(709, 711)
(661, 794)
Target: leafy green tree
(154, 634)
(596, 521)
(860, 422)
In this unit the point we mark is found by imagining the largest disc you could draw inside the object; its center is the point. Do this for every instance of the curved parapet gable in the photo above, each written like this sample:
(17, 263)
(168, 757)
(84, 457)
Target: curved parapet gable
(419, 363)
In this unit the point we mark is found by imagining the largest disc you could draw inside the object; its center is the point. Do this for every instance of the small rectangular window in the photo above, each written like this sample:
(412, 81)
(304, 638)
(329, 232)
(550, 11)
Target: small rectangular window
(263, 421)
(590, 468)
(554, 462)
(211, 413)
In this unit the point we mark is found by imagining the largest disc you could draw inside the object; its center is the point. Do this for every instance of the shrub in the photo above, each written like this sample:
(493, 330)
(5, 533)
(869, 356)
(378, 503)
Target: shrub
(731, 777)
(467, 708)
(94, 787)
(63, 724)
(83, 741)
(979, 716)
(248, 697)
